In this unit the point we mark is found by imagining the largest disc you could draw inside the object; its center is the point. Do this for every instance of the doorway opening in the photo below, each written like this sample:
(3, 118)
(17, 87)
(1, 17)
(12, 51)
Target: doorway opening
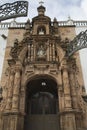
(42, 104)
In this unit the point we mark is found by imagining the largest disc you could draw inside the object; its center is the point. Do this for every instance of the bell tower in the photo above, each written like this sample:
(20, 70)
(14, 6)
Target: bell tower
(42, 86)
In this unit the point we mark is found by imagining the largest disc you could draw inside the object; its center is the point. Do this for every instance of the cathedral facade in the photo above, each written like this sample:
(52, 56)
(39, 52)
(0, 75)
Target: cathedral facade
(42, 86)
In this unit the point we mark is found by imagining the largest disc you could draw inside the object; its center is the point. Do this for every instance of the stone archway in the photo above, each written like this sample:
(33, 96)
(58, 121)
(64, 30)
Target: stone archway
(41, 105)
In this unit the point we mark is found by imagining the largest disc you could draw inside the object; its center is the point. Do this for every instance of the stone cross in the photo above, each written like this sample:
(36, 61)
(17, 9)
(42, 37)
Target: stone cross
(41, 2)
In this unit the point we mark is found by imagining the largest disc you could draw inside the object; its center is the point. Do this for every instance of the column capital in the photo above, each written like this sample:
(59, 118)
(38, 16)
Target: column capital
(18, 68)
(64, 64)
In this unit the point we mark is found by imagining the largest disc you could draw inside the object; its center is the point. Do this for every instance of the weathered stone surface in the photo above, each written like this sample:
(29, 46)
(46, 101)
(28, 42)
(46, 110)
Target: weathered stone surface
(39, 53)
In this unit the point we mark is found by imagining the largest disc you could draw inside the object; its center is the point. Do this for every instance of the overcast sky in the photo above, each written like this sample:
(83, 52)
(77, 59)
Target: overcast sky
(60, 9)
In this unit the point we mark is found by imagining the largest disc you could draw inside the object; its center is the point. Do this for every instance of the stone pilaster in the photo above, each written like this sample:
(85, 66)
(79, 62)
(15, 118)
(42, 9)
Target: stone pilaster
(5, 93)
(72, 78)
(60, 92)
(73, 84)
(67, 116)
(66, 85)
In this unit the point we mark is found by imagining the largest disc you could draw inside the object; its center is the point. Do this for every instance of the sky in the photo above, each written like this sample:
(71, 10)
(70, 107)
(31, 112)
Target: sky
(61, 9)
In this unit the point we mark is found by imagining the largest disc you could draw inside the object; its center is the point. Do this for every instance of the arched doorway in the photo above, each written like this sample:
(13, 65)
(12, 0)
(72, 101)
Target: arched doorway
(41, 105)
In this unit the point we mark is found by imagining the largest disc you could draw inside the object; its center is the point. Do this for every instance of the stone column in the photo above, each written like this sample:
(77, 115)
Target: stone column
(15, 102)
(72, 77)
(32, 52)
(29, 52)
(53, 47)
(10, 91)
(60, 92)
(67, 115)
(50, 51)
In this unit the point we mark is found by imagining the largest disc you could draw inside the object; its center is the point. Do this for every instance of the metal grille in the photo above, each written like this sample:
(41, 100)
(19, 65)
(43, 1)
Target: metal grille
(42, 112)
(78, 43)
(13, 10)
(42, 103)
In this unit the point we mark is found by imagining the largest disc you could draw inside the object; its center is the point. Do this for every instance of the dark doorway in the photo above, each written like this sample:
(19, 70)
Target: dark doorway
(41, 105)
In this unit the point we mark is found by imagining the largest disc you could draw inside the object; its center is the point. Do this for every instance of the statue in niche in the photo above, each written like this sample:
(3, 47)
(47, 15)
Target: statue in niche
(41, 31)
(41, 52)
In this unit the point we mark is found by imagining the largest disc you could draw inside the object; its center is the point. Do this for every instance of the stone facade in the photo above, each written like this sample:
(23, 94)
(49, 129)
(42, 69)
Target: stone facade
(38, 51)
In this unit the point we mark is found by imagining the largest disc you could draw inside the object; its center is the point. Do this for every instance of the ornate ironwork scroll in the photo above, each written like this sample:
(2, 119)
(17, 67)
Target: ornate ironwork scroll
(13, 10)
(79, 42)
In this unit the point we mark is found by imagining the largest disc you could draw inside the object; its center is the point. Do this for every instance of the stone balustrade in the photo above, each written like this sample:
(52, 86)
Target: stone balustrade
(5, 25)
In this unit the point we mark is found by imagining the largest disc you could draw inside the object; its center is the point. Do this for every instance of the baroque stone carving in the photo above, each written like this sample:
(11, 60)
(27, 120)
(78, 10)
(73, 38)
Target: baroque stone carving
(14, 50)
(10, 90)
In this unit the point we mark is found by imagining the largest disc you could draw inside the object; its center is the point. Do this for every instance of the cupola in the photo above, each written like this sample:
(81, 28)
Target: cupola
(41, 10)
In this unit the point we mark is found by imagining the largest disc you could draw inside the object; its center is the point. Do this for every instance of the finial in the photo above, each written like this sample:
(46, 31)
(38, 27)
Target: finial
(69, 18)
(41, 2)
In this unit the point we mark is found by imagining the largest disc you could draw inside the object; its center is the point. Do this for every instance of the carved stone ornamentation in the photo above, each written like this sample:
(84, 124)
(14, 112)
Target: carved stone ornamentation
(4, 94)
(10, 91)
(41, 50)
(43, 81)
(14, 50)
